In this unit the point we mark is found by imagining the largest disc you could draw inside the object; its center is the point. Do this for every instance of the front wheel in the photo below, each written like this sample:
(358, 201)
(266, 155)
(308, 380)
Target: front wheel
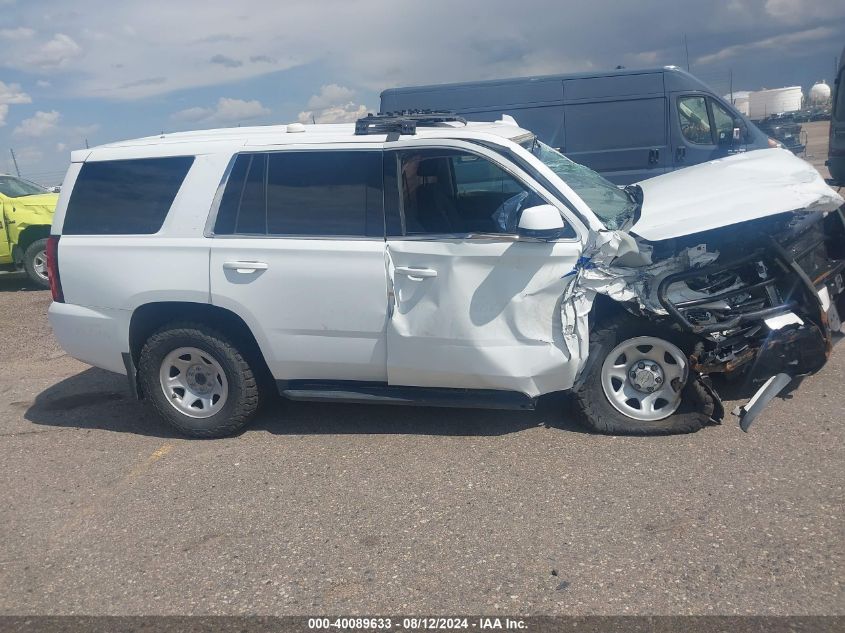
(637, 382)
(198, 380)
(35, 262)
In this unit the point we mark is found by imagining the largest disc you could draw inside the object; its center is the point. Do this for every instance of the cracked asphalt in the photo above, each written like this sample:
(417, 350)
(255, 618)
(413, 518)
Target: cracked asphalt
(354, 509)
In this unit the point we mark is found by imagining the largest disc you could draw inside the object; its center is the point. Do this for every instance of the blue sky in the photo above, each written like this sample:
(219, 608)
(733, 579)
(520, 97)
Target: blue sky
(108, 71)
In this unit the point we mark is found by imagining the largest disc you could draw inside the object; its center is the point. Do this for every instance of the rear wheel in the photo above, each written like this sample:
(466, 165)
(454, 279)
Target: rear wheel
(637, 381)
(198, 380)
(35, 262)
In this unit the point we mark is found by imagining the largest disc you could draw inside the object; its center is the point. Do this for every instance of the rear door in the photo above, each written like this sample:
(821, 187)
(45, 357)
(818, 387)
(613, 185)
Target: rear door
(299, 253)
(473, 305)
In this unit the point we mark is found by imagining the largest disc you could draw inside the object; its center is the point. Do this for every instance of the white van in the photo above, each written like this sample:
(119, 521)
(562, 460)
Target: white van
(423, 259)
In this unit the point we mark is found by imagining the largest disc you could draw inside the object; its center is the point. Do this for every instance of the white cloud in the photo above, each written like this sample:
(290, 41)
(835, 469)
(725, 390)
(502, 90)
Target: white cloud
(330, 95)
(776, 43)
(345, 113)
(333, 104)
(17, 34)
(39, 124)
(10, 94)
(802, 11)
(43, 83)
(226, 111)
(55, 53)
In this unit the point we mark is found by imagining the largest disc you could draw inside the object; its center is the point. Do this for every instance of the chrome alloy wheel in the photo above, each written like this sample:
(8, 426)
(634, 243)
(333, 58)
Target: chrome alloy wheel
(39, 264)
(193, 382)
(643, 378)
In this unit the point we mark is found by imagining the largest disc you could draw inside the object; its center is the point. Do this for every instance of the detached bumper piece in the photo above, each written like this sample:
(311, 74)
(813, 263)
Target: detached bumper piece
(772, 387)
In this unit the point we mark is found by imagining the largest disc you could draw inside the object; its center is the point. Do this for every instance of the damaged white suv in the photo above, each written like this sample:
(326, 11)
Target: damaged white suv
(417, 258)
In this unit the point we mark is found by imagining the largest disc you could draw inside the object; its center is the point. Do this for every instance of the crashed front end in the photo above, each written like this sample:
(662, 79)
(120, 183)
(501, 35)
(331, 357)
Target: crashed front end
(770, 302)
(743, 257)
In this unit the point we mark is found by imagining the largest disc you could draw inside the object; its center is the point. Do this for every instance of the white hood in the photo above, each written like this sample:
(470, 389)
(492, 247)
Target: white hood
(728, 191)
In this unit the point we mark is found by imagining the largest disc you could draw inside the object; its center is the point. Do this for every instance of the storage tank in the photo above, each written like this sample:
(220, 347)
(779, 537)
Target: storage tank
(820, 93)
(762, 103)
(739, 100)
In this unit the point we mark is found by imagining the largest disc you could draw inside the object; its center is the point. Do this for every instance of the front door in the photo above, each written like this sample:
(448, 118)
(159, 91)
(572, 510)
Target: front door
(299, 253)
(473, 306)
(703, 130)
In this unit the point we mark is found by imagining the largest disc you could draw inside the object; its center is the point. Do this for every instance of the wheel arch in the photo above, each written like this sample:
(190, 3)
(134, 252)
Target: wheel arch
(150, 317)
(29, 235)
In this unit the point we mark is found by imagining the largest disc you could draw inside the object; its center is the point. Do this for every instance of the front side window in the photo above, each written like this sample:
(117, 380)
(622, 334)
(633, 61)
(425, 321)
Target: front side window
(309, 193)
(124, 197)
(454, 192)
(723, 122)
(695, 124)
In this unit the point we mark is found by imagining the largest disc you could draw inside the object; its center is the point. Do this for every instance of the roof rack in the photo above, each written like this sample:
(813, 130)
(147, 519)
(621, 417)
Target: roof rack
(403, 122)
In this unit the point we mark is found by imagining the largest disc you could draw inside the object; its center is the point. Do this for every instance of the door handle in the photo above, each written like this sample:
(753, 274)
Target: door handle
(680, 154)
(653, 156)
(416, 273)
(245, 267)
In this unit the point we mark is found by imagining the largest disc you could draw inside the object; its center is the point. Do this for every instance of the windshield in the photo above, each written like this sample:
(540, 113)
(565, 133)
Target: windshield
(16, 187)
(613, 205)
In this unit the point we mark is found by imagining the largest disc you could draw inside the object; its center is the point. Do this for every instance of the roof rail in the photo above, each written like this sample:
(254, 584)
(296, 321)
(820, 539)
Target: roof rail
(403, 122)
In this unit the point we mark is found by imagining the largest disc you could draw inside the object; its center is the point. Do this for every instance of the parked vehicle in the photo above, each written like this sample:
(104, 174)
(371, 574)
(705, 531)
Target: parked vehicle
(836, 147)
(421, 259)
(784, 129)
(627, 125)
(26, 212)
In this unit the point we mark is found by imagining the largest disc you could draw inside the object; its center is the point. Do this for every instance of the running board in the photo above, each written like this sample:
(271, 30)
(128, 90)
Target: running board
(381, 393)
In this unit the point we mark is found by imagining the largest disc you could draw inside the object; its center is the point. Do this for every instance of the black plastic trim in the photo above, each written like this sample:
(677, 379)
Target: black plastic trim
(381, 393)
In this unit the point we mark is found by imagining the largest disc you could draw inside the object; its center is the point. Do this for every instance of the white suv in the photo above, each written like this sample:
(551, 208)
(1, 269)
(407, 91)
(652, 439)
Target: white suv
(417, 258)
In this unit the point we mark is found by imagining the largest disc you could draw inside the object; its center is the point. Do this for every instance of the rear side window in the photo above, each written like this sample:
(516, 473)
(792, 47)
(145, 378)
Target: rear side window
(124, 197)
(312, 193)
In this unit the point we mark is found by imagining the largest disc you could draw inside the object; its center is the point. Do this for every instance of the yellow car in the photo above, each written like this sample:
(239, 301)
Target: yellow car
(26, 213)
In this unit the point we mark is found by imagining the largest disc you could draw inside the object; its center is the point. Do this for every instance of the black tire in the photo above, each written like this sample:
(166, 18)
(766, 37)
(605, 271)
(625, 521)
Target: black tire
(699, 404)
(243, 393)
(37, 249)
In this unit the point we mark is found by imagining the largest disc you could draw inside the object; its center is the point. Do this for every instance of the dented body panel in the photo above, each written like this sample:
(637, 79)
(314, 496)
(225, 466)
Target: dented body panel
(19, 216)
(729, 191)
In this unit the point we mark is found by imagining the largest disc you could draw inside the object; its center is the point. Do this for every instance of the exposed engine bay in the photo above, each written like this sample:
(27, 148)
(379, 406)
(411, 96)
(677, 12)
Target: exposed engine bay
(759, 299)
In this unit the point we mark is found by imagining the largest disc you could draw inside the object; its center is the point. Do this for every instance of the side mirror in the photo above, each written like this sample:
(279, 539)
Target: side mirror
(542, 222)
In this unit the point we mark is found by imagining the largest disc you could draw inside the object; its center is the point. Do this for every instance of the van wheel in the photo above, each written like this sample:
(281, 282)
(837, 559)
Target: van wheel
(35, 262)
(637, 382)
(198, 381)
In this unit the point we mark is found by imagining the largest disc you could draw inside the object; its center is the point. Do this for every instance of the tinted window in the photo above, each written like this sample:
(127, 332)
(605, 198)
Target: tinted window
(615, 125)
(695, 124)
(334, 193)
(322, 193)
(252, 214)
(124, 197)
(453, 192)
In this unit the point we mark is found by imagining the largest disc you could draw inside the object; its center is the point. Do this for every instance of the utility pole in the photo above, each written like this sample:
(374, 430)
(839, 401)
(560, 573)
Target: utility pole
(86, 143)
(731, 80)
(15, 161)
(686, 50)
